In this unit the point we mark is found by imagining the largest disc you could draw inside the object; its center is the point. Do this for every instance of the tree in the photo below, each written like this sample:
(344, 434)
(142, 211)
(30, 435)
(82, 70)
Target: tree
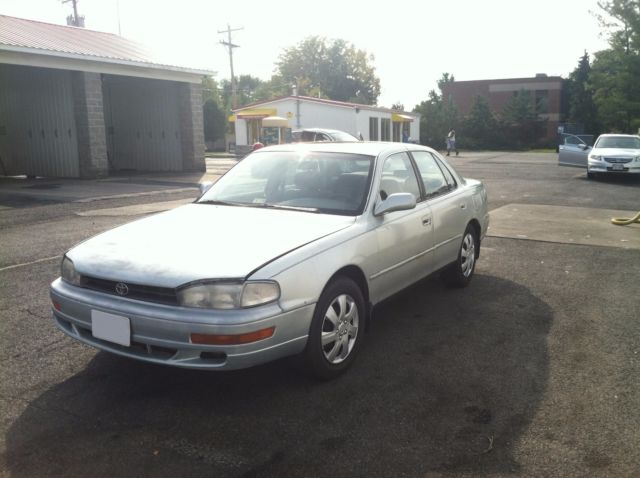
(622, 18)
(210, 90)
(333, 69)
(522, 125)
(613, 79)
(582, 108)
(480, 127)
(438, 115)
(616, 90)
(215, 121)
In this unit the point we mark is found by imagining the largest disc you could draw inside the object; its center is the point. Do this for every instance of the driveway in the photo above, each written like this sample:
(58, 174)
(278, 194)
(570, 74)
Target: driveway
(530, 371)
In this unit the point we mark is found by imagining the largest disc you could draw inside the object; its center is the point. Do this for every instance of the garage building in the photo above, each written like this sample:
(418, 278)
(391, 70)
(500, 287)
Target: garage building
(82, 103)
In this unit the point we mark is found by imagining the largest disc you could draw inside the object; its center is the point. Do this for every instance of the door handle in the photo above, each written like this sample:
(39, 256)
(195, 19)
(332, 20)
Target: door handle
(463, 206)
(426, 221)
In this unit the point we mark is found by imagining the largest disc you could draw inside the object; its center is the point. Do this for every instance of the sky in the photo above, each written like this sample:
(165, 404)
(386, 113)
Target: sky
(413, 42)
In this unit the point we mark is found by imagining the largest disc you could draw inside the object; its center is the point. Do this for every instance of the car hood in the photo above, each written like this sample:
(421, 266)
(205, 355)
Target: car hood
(616, 152)
(199, 241)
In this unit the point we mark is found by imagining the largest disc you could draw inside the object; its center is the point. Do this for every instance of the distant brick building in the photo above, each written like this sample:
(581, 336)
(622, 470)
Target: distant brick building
(545, 91)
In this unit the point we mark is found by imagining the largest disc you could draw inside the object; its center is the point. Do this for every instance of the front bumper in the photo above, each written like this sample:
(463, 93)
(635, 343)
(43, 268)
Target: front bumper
(161, 333)
(603, 166)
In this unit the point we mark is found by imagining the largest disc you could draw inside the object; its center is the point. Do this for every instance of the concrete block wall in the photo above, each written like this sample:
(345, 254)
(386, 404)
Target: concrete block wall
(89, 116)
(191, 126)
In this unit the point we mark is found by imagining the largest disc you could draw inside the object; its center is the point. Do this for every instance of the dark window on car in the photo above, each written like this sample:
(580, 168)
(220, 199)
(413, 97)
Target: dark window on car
(307, 136)
(398, 176)
(373, 129)
(447, 174)
(432, 177)
(322, 137)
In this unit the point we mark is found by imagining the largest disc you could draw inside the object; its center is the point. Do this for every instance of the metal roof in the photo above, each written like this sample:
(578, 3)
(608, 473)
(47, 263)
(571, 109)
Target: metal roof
(30, 36)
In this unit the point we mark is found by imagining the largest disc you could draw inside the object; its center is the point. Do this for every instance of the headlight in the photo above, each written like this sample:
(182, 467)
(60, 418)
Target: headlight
(68, 272)
(226, 295)
(597, 157)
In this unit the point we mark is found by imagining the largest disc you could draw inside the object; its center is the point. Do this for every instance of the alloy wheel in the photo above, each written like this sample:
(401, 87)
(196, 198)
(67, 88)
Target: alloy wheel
(339, 329)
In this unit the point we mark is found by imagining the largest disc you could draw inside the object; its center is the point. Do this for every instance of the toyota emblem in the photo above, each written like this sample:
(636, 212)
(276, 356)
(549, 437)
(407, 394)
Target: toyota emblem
(122, 288)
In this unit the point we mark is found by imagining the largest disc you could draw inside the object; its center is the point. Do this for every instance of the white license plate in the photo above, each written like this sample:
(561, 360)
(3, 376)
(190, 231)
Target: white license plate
(111, 327)
(617, 167)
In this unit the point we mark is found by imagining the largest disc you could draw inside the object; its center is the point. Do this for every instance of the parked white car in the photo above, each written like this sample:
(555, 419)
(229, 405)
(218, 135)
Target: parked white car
(611, 153)
(286, 254)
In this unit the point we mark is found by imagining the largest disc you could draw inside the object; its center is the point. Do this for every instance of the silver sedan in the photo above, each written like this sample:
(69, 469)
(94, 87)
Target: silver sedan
(611, 153)
(285, 255)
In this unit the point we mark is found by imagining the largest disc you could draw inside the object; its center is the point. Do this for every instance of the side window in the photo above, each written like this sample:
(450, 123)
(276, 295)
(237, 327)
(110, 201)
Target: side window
(398, 176)
(447, 174)
(321, 137)
(431, 174)
(573, 140)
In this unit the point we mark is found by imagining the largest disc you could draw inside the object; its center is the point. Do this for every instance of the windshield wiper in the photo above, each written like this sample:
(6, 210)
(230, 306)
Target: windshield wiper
(222, 203)
(283, 206)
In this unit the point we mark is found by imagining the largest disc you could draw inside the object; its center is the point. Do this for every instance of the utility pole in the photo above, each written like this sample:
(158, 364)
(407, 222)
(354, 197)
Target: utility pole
(75, 20)
(231, 46)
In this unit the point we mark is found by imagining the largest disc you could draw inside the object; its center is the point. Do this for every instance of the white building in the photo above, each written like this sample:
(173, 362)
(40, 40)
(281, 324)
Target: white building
(372, 122)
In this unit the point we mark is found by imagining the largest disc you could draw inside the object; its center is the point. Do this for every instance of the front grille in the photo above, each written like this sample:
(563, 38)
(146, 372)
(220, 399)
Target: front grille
(617, 160)
(147, 293)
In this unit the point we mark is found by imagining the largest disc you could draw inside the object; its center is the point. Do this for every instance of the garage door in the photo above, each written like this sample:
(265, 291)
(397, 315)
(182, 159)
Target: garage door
(142, 120)
(37, 124)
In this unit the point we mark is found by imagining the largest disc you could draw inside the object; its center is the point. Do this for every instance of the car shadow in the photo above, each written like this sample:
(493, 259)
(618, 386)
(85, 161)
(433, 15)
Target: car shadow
(447, 381)
(629, 180)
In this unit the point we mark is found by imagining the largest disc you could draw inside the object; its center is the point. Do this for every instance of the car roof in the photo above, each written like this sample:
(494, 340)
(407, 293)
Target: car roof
(319, 130)
(370, 148)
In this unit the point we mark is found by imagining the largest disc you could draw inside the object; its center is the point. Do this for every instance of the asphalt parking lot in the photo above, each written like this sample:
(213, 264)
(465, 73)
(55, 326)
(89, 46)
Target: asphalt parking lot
(530, 371)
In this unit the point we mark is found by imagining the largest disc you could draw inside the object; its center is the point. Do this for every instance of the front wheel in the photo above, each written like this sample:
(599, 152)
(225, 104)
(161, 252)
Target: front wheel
(590, 175)
(336, 329)
(460, 272)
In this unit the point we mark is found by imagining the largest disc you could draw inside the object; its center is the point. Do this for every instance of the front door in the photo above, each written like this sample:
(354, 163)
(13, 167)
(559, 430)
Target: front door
(404, 238)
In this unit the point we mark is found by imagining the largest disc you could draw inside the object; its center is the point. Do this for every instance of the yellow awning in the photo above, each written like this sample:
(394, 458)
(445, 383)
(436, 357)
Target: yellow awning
(400, 118)
(256, 113)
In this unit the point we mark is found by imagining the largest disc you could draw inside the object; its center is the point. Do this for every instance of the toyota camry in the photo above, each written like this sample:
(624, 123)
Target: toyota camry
(285, 255)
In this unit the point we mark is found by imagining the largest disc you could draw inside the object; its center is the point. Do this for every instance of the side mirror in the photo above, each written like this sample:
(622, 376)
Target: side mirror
(583, 146)
(395, 202)
(204, 187)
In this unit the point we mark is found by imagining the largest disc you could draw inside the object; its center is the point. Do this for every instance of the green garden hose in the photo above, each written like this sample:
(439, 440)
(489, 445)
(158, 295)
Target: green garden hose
(624, 221)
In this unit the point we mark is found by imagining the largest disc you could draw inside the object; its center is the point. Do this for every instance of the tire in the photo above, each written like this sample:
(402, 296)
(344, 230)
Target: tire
(591, 175)
(336, 330)
(460, 272)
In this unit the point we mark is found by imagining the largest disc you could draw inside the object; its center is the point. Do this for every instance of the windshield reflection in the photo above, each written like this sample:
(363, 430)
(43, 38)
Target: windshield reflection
(325, 182)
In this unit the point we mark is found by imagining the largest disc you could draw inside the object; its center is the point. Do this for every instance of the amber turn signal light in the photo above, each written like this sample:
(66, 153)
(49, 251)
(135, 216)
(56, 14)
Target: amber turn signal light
(209, 339)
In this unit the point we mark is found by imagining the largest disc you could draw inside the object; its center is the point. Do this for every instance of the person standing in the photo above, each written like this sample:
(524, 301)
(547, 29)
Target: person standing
(451, 142)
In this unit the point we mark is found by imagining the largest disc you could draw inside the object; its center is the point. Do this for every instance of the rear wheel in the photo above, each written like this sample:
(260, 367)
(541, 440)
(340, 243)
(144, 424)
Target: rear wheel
(459, 273)
(336, 329)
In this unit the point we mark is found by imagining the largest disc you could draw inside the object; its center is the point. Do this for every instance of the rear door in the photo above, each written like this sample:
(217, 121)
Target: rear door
(449, 205)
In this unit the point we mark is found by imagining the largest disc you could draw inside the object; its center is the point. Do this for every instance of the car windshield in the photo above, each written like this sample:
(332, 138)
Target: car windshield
(621, 142)
(325, 182)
